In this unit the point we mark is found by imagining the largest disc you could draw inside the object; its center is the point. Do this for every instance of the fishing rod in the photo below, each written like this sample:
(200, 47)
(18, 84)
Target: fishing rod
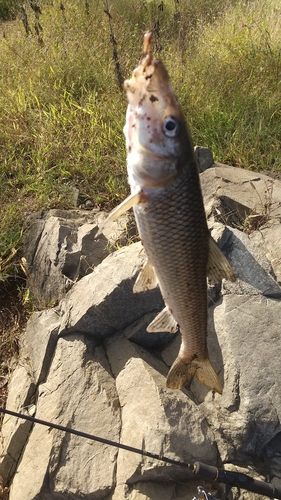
(204, 471)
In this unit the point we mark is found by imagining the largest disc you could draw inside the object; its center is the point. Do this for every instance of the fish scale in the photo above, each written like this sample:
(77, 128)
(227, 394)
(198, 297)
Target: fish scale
(170, 238)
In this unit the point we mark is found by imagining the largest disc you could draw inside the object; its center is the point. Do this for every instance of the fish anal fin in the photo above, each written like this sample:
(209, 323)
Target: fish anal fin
(163, 322)
(146, 280)
(218, 266)
(181, 372)
(129, 202)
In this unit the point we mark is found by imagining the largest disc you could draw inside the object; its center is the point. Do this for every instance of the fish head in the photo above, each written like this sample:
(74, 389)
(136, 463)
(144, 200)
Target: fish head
(157, 138)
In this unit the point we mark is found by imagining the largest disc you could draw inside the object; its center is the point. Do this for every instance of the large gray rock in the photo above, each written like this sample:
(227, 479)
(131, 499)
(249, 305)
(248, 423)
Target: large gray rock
(161, 489)
(60, 247)
(36, 358)
(78, 392)
(154, 418)
(102, 303)
(232, 194)
(90, 365)
(247, 416)
(268, 239)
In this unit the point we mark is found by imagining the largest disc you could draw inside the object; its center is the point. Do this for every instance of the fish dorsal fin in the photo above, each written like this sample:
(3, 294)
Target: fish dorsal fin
(163, 322)
(123, 207)
(218, 266)
(146, 280)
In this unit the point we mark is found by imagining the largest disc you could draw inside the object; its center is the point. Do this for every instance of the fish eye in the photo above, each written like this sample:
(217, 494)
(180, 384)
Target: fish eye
(171, 126)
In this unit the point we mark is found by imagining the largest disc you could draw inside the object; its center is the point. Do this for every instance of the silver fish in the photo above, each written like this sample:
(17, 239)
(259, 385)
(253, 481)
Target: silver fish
(169, 211)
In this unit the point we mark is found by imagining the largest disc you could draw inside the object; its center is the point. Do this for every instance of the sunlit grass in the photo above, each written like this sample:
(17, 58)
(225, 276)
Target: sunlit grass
(62, 110)
(232, 95)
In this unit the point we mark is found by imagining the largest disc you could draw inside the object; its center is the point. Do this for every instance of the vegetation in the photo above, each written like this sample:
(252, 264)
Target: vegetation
(62, 107)
(8, 10)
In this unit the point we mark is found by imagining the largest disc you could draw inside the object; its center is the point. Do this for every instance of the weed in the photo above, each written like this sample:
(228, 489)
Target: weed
(260, 215)
(5, 265)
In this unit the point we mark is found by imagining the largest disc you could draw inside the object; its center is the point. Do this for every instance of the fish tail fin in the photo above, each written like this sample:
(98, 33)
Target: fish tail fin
(181, 372)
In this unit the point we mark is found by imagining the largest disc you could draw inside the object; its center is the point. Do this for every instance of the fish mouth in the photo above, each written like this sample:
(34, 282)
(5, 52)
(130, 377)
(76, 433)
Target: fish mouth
(149, 79)
(138, 86)
(151, 102)
(144, 66)
(155, 129)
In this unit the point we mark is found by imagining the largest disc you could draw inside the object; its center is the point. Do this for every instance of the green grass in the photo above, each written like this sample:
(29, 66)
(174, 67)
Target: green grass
(9, 9)
(237, 109)
(62, 110)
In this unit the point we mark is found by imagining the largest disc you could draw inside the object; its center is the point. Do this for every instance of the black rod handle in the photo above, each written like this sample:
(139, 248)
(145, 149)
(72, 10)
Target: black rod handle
(207, 472)
(237, 479)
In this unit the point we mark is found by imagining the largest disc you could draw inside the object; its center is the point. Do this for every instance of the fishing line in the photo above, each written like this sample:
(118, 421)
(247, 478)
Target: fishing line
(200, 469)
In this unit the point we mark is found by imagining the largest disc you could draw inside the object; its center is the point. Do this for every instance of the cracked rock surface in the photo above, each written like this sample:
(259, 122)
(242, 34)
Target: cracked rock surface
(89, 364)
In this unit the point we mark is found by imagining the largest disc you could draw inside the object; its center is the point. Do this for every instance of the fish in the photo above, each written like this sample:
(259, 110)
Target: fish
(166, 197)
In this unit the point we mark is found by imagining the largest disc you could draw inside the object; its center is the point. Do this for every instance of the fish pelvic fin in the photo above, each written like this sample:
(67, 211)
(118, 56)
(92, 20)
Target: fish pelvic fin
(122, 208)
(218, 266)
(163, 322)
(181, 372)
(146, 280)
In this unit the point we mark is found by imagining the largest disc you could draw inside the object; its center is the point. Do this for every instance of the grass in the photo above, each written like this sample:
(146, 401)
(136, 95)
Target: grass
(9, 9)
(242, 82)
(62, 110)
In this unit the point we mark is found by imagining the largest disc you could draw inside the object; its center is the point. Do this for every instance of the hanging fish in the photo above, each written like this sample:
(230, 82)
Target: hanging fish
(168, 206)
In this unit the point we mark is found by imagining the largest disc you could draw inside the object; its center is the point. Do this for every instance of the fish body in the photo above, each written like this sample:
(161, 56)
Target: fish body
(170, 216)
(172, 227)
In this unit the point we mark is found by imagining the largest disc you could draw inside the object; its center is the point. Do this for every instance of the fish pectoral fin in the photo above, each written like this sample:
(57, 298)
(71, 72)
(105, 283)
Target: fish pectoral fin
(146, 280)
(163, 322)
(128, 203)
(218, 266)
(180, 373)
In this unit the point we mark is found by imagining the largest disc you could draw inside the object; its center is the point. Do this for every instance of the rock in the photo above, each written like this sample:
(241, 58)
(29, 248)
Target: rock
(204, 157)
(251, 266)
(36, 358)
(79, 369)
(14, 431)
(60, 248)
(247, 416)
(40, 343)
(102, 303)
(232, 194)
(155, 490)
(268, 239)
(154, 418)
(137, 333)
(239, 197)
(89, 364)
